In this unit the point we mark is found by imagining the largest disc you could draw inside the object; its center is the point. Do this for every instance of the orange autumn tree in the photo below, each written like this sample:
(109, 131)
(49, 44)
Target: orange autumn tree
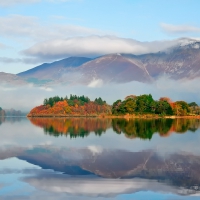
(75, 105)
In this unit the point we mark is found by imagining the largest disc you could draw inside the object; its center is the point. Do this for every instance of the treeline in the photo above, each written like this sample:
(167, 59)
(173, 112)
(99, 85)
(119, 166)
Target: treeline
(145, 104)
(11, 112)
(72, 106)
(72, 100)
(133, 105)
(2, 112)
(14, 113)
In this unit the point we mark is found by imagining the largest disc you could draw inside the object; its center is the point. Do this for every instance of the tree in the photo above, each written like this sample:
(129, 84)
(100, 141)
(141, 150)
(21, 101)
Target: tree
(130, 105)
(193, 104)
(115, 106)
(46, 102)
(130, 97)
(163, 107)
(144, 103)
(181, 108)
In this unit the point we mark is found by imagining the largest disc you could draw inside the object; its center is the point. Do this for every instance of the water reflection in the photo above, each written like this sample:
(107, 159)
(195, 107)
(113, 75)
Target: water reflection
(11, 119)
(74, 127)
(2, 119)
(132, 128)
(105, 167)
(176, 169)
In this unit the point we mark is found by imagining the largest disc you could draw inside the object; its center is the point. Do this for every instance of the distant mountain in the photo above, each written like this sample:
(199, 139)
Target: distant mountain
(12, 79)
(181, 61)
(114, 68)
(52, 71)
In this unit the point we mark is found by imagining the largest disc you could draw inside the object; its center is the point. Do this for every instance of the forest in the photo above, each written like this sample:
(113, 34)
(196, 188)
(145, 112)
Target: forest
(72, 106)
(145, 104)
(132, 105)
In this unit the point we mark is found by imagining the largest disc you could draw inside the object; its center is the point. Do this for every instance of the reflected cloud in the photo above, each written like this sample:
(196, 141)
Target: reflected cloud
(96, 187)
(107, 173)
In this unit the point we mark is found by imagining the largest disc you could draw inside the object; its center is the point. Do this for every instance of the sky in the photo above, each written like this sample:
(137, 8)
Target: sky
(36, 31)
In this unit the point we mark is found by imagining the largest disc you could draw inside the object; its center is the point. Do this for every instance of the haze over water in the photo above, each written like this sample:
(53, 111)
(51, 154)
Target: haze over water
(86, 158)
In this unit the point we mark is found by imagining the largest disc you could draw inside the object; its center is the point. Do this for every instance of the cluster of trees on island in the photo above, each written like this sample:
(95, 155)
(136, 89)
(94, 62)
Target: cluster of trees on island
(133, 105)
(145, 104)
(74, 106)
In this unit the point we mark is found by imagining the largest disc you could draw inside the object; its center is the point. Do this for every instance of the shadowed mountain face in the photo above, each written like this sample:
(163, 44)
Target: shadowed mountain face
(53, 71)
(179, 62)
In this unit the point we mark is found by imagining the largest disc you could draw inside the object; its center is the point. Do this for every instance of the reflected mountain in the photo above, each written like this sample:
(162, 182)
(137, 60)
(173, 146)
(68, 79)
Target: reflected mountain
(132, 128)
(177, 169)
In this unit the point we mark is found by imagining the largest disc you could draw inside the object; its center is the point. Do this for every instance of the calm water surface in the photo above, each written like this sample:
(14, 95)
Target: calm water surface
(78, 158)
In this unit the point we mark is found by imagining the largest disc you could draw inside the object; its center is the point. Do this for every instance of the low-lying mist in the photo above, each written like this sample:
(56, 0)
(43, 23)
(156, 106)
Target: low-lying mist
(24, 98)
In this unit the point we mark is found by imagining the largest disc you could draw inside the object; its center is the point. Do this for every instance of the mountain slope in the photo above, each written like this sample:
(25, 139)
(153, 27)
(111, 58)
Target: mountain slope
(11, 79)
(114, 68)
(55, 69)
(181, 61)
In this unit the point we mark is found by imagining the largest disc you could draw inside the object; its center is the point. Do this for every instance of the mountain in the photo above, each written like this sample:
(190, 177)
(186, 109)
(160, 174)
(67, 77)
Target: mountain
(52, 71)
(12, 79)
(114, 68)
(182, 61)
(109, 68)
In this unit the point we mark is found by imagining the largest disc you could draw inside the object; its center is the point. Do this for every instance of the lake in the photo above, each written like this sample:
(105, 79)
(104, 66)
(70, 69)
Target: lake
(90, 158)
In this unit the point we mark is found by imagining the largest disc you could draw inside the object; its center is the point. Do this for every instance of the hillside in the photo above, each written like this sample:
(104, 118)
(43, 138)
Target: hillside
(179, 62)
(11, 79)
(52, 71)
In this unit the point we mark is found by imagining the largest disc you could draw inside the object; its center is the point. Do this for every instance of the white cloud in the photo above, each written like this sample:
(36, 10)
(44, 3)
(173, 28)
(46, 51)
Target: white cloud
(95, 83)
(29, 27)
(29, 96)
(95, 149)
(177, 29)
(96, 187)
(92, 46)
(8, 60)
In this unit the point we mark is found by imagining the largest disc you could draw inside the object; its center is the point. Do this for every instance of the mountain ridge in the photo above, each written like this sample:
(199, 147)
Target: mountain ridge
(180, 62)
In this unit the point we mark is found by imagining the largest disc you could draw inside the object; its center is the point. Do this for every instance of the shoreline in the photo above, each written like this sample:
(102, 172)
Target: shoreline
(117, 116)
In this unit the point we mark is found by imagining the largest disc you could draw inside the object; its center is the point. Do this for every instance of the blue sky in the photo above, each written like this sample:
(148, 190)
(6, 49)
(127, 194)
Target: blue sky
(37, 31)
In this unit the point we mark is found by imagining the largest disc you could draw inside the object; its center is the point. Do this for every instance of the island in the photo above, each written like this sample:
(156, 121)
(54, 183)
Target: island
(132, 106)
(73, 106)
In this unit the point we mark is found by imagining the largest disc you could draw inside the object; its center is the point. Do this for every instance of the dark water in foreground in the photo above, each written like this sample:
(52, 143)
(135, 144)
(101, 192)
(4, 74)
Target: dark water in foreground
(92, 158)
